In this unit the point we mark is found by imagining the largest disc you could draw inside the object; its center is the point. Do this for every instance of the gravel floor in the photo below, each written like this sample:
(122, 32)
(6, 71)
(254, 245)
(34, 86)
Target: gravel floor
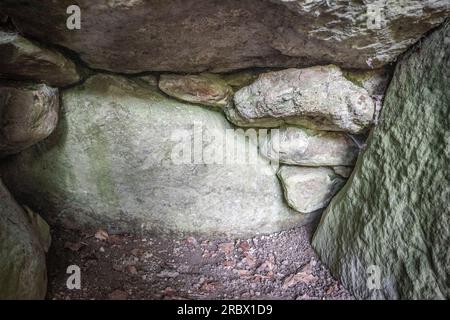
(277, 266)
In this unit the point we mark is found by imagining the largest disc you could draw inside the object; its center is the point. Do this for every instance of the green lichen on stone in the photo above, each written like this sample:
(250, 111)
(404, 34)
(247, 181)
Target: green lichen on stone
(358, 78)
(393, 213)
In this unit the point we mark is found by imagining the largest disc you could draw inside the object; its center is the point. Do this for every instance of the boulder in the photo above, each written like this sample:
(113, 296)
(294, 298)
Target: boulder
(300, 146)
(216, 36)
(205, 89)
(28, 114)
(386, 235)
(308, 189)
(21, 59)
(317, 98)
(23, 274)
(235, 118)
(125, 157)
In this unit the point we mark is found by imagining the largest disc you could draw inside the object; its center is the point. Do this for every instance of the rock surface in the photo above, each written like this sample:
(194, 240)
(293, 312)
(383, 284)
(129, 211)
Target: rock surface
(116, 162)
(205, 89)
(150, 80)
(21, 59)
(317, 97)
(374, 81)
(393, 213)
(204, 35)
(308, 189)
(28, 114)
(299, 146)
(23, 272)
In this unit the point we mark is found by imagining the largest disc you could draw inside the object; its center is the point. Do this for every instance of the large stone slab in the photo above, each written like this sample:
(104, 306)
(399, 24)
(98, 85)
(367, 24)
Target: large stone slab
(317, 97)
(391, 221)
(23, 274)
(216, 35)
(308, 189)
(118, 160)
(28, 114)
(300, 146)
(21, 59)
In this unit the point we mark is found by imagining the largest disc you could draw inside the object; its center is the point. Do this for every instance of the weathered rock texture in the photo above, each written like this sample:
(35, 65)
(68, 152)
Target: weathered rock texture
(28, 114)
(116, 161)
(317, 97)
(308, 189)
(299, 146)
(205, 89)
(21, 59)
(374, 81)
(201, 35)
(23, 273)
(393, 212)
(344, 172)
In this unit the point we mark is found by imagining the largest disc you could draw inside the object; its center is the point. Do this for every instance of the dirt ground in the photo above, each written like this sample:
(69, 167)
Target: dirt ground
(277, 266)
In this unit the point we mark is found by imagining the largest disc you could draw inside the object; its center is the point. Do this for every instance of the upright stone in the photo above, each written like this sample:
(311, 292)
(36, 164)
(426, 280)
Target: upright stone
(386, 235)
(308, 189)
(126, 157)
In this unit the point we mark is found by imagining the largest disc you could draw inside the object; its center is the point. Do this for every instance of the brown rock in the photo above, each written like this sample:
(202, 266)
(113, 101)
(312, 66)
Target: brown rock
(205, 89)
(21, 59)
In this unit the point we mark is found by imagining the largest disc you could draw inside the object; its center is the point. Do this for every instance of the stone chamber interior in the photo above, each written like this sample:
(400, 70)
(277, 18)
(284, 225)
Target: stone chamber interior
(224, 150)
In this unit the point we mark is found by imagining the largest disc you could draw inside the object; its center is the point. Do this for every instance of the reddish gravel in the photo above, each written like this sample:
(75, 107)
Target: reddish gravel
(276, 266)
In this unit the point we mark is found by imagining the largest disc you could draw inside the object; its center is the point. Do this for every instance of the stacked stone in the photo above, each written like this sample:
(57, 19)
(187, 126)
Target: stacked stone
(316, 117)
(387, 236)
(116, 129)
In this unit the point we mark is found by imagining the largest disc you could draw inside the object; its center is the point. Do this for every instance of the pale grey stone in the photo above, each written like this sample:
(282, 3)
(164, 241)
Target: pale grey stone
(113, 162)
(308, 189)
(391, 221)
(300, 146)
